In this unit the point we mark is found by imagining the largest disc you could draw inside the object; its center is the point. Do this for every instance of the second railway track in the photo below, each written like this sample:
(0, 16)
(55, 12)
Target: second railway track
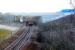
(22, 40)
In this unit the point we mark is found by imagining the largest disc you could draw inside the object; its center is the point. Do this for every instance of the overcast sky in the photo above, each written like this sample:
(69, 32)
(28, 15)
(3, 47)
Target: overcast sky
(29, 6)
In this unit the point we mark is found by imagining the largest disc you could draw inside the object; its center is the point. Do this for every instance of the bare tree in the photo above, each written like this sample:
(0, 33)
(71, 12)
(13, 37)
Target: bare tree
(72, 2)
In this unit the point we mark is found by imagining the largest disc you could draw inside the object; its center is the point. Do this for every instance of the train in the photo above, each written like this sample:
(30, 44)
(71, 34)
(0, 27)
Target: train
(33, 20)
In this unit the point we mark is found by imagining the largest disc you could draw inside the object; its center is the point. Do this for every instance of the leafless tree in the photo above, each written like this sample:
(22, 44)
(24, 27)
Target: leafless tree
(72, 2)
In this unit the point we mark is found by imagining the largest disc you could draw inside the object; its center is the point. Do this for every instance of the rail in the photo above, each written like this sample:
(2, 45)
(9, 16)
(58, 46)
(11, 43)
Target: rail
(21, 41)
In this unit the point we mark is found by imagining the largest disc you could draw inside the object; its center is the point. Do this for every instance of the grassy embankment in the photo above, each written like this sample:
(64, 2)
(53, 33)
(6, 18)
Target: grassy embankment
(4, 34)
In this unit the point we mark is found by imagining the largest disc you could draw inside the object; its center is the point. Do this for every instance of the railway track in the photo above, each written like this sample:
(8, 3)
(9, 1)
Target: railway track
(22, 40)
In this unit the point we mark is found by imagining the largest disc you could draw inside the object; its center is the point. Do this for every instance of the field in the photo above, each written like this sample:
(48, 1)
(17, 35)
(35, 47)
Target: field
(4, 34)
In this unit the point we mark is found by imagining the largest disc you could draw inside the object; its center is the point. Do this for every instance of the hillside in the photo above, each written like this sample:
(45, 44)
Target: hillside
(58, 34)
(67, 19)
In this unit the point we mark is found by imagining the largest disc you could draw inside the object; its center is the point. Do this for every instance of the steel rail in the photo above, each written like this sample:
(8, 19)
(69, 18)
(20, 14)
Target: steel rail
(16, 41)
